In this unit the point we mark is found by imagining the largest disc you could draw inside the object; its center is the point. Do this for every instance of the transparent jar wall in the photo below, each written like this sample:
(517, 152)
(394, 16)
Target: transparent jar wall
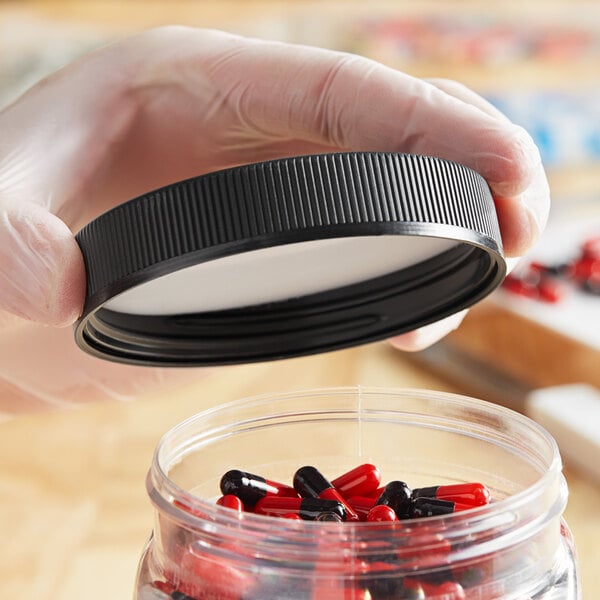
(516, 548)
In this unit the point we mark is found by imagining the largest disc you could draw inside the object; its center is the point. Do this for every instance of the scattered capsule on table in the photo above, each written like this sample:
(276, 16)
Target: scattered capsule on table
(250, 488)
(396, 494)
(473, 494)
(307, 508)
(360, 481)
(550, 291)
(310, 482)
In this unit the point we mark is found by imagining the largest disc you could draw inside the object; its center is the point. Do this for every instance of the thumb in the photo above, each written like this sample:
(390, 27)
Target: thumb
(42, 274)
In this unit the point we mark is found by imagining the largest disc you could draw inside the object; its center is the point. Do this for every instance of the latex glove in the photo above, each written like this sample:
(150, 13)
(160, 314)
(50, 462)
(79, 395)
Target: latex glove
(176, 102)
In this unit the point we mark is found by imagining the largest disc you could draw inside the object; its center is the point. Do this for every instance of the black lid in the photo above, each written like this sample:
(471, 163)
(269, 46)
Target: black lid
(287, 257)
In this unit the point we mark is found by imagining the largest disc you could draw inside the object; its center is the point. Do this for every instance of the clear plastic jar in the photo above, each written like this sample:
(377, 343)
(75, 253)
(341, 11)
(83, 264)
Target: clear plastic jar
(517, 547)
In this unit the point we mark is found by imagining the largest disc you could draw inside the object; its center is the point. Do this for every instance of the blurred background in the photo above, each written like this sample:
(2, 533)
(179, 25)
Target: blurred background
(73, 505)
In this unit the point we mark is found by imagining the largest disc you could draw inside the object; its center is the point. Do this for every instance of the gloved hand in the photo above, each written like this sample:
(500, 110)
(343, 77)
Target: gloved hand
(175, 102)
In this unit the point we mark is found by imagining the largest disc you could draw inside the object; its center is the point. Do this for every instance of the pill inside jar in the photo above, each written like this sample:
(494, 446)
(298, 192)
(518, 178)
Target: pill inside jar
(390, 503)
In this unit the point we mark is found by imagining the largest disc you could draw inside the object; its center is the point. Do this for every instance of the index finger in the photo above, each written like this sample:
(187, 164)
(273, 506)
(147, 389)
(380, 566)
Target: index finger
(354, 103)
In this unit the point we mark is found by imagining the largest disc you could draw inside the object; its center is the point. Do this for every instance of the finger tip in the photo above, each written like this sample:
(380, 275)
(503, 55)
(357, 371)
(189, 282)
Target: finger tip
(44, 272)
(66, 290)
(69, 293)
(423, 337)
(519, 227)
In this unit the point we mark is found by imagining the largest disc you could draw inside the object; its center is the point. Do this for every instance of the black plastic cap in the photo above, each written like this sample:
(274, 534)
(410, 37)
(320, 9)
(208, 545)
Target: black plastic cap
(281, 203)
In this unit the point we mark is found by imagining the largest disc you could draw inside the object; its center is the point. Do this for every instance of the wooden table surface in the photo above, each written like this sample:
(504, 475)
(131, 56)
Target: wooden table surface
(74, 514)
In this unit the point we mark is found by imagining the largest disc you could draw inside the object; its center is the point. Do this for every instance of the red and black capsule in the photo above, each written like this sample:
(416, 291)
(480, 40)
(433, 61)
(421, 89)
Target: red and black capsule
(422, 589)
(376, 493)
(449, 589)
(381, 581)
(306, 508)
(413, 591)
(382, 513)
(331, 517)
(165, 590)
(430, 507)
(292, 517)
(231, 501)
(360, 481)
(473, 494)
(397, 495)
(361, 505)
(309, 482)
(180, 596)
(250, 488)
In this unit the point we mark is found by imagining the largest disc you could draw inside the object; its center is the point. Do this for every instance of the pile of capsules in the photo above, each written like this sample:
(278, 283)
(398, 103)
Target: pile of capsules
(354, 496)
(542, 282)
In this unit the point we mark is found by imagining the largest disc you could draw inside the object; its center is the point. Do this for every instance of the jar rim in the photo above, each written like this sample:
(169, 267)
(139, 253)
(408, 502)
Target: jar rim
(194, 511)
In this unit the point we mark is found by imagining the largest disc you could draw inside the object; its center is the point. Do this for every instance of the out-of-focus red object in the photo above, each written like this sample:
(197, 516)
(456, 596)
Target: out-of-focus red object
(541, 281)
